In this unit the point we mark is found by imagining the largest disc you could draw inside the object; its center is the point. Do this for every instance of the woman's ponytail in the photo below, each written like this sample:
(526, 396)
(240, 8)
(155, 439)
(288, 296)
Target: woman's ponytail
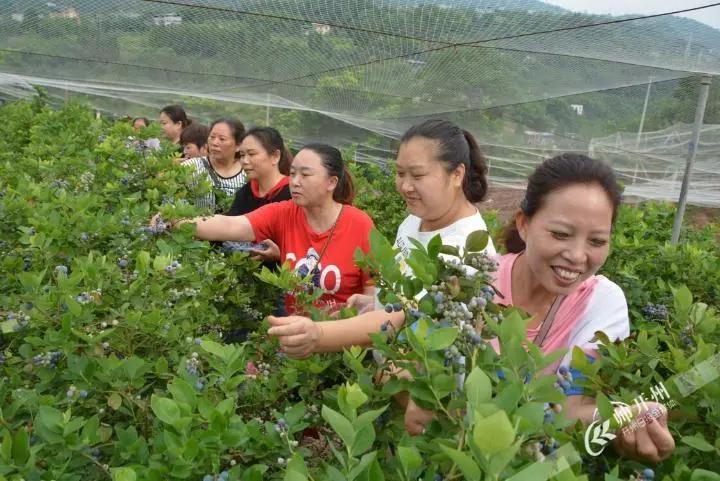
(475, 183)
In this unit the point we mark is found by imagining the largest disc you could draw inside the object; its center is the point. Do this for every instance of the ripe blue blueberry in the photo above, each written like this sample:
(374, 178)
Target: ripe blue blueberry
(388, 308)
(199, 385)
(648, 474)
(123, 263)
(208, 477)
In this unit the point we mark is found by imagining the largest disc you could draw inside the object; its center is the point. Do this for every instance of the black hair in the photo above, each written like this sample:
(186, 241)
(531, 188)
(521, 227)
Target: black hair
(195, 134)
(333, 162)
(237, 127)
(272, 141)
(145, 120)
(177, 114)
(556, 173)
(456, 147)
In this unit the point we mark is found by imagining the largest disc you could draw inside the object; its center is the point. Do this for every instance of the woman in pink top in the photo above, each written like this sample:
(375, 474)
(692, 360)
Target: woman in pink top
(557, 243)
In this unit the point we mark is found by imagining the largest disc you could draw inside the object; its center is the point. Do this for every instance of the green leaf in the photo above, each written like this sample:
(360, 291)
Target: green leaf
(216, 349)
(183, 392)
(508, 398)
(123, 474)
(410, 459)
(450, 250)
(364, 464)
(493, 433)
(374, 473)
(364, 439)
(291, 475)
(6, 447)
(443, 384)
(355, 397)
(604, 406)
(21, 447)
(476, 241)
(704, 475)
(467, 466)
(531, 417)
(340, 425)
(256, 471)
(369, 416)
(683, 300)
(698, 442)
(51, 418)
(434, 246)
(442, 338)
(478, 387)
(114, 401)
(165, 409)
(90, 431)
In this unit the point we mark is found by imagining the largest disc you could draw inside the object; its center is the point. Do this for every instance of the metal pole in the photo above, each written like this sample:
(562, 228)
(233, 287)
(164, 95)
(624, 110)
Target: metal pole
(692, 149)
(267, 109)
(642, 118)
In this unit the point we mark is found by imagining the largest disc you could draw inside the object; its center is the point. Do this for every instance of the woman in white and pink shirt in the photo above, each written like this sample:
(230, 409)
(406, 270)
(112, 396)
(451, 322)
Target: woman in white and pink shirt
(558, 241)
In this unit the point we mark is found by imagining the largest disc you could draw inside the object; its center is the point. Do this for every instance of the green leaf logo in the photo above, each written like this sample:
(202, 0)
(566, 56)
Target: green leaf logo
(600, 436)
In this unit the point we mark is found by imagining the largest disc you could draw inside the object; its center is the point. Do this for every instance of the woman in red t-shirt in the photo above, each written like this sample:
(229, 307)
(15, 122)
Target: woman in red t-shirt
(317, 232)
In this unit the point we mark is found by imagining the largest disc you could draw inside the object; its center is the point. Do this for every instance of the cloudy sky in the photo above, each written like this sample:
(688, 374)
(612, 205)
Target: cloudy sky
(710, 16)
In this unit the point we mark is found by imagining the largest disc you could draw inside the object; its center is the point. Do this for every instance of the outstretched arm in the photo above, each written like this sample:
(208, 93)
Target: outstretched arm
(223, 228)
(301, 336)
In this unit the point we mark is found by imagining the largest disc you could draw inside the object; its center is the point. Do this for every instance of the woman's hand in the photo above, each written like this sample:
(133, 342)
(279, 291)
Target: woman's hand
(651, 442)
(270, 253)
(298, 336)
(416, 418)
(362, 302)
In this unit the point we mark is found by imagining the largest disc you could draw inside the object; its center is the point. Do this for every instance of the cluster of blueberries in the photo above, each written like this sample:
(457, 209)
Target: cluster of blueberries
(655, 312)
(48, 359)
(224, 476)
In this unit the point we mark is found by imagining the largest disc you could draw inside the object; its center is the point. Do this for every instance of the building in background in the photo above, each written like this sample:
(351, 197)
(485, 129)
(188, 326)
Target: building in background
(166, 20)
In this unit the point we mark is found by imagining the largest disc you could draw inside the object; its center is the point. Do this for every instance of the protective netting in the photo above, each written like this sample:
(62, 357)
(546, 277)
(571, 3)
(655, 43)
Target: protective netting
(654, 160)
(527, 77)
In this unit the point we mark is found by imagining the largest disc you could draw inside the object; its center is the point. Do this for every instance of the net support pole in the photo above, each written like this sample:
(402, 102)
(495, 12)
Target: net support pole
(267, 109)
(692, 149)
(644, 111)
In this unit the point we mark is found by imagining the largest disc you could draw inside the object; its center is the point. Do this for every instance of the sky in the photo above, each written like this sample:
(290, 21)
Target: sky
(709, 16)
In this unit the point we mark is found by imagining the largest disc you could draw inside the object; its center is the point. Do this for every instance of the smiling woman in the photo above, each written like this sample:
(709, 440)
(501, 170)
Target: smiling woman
(557, 243)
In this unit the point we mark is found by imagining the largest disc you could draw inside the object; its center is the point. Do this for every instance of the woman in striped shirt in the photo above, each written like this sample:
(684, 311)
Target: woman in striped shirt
(222, 167)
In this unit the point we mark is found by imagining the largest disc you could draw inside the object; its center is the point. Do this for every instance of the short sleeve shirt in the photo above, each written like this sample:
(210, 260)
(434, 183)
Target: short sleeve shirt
(286, 224)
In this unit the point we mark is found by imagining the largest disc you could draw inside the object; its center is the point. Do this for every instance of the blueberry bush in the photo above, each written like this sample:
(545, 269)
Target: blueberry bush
(135, 353)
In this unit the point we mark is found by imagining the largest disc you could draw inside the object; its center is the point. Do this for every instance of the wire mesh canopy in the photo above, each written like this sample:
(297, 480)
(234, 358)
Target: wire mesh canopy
(657, 160)
(380, 65)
